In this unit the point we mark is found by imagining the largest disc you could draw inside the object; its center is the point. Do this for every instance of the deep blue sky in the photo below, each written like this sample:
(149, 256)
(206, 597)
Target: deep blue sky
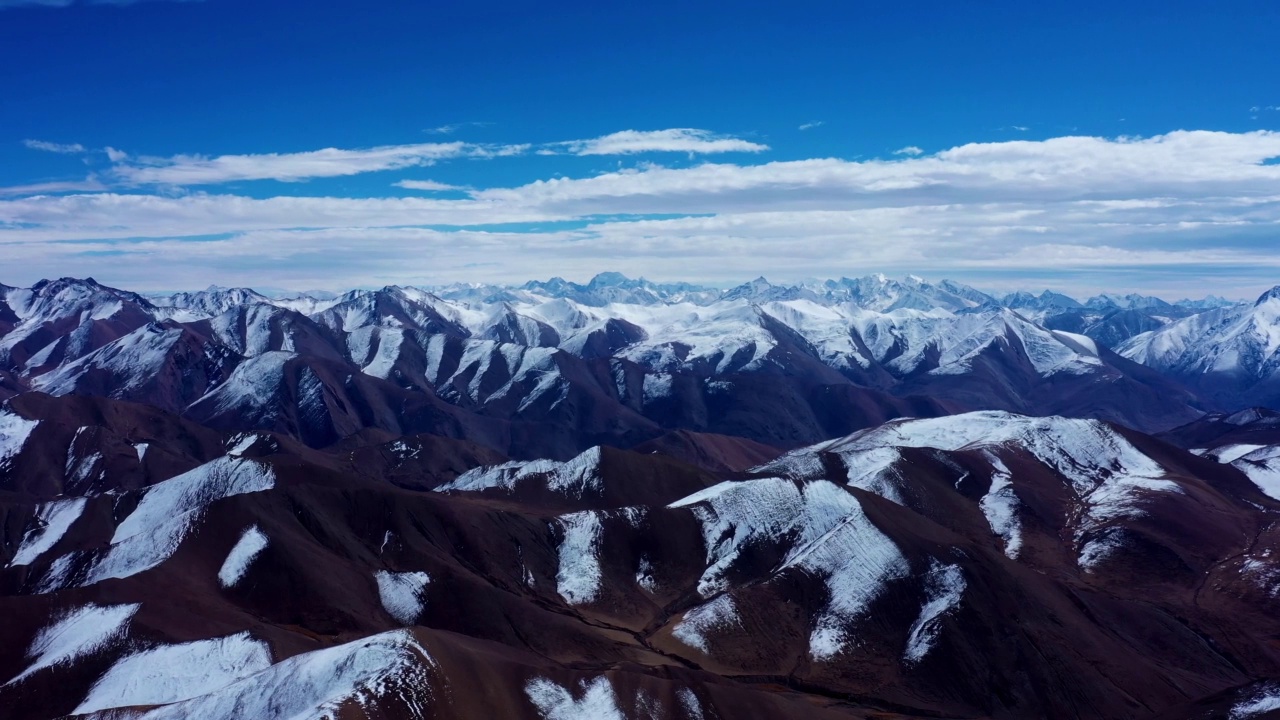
(234, 77)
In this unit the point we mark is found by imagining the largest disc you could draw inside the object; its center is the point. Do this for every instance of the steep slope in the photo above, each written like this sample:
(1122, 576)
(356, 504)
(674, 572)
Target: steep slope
(56, 322)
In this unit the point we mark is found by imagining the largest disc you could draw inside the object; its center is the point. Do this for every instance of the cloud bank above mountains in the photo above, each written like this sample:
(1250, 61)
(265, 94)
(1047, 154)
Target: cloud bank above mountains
(1078, 213)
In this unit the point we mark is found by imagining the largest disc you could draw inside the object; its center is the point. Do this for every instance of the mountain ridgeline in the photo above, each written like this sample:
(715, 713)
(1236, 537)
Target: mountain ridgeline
(549, 369)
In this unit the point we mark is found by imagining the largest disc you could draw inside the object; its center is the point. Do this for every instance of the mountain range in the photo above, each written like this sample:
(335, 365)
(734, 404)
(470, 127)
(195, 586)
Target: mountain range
(547, 369)
(867, 498)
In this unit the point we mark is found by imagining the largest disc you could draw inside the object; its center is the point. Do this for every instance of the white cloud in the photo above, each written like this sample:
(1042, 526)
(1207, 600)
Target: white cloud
(1190, 164)
(53, 147)
(1159, 206)
(812, 125)
(45, 188)
(188, 170)
(451, 128)
(201, 170)
(630, 142)
(429, 185)
(911, 150)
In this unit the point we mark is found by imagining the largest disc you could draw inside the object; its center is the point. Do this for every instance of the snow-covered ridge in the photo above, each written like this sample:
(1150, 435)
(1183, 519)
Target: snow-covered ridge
(1111, 477)
(1241, 339)
(235, 351)
(826, 533)
(572, 478)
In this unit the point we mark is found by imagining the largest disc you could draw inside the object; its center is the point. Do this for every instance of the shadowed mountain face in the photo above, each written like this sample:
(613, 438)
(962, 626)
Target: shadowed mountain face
(858, 499)
(980, 565)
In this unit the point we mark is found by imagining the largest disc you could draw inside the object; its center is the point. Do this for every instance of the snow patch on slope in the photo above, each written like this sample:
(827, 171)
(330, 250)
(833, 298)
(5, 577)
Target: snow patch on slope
(251, 385)
(578, 575)
(252, 542)
(1230, 453)
(165, 515)
(1098, 549)
(944, 587)
(14, 431)
(136, 358)
(77, 633)
(1262, 700)
(376, 349)
(1000, 506)
(316, 684)
(690, 703)
(54, 518)
(401, 594)
(172, 673)
(1261, 464)
(596, 701)
(717, 615)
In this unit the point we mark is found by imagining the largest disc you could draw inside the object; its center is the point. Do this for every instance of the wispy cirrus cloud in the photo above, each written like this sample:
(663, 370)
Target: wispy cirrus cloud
(90, 184)
(53, 147)
(191, 170)
(631, 142)
(452, 128)
(911, 150)
(812, 125)
(428, 185)
(197, 170)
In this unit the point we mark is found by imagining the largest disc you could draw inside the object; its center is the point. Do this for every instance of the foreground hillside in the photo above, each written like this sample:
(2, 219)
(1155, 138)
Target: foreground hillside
(981, 565)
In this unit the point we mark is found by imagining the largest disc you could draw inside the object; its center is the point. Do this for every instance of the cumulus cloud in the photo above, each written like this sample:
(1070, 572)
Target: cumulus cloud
(53, 147)
(1158, 206)
(630, 142)
(911, 150)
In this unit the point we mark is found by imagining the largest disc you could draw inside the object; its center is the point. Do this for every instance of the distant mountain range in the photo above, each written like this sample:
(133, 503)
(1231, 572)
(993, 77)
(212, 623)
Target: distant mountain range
(550, 368)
